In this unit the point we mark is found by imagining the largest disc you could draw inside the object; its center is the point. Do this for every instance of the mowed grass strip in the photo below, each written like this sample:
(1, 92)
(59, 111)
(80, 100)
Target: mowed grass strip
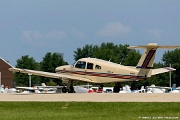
(88, 110)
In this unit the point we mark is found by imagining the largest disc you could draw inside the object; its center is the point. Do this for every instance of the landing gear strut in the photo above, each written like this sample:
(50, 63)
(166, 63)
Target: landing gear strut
(117, 87)
(70, 87)
(64, 89)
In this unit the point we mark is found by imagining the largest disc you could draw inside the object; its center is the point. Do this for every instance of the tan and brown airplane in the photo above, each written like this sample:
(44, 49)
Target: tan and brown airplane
(93, 70)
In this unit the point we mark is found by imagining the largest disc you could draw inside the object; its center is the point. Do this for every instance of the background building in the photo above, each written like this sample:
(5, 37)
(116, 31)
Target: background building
(6, 75)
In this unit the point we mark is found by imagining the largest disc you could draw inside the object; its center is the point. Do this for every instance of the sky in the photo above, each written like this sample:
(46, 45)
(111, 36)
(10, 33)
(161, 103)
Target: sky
(35, 27)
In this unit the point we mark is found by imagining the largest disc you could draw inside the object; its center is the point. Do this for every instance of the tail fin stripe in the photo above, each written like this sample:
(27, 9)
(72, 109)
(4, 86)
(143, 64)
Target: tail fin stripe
(148, 58)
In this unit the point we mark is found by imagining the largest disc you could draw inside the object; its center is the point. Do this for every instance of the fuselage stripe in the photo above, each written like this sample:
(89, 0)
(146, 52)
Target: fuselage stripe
(110, 75)
(148, 58)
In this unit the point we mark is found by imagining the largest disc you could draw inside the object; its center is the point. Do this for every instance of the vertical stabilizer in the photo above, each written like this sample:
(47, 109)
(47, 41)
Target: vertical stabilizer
(146, 61)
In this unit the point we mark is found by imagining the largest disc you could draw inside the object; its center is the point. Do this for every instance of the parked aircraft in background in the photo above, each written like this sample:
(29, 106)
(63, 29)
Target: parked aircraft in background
(125, 89)
(7, 90)
(161, 89)
(93, 70)
(157, 89)
(1, 88)
(175, 89)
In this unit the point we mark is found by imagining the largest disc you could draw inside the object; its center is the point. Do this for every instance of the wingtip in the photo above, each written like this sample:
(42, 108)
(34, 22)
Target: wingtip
(14, 69)
(131, 47)
(169, 68)
(10, 69)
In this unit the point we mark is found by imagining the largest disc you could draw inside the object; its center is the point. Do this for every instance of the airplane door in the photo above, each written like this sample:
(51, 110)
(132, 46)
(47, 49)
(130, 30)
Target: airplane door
(89, 70)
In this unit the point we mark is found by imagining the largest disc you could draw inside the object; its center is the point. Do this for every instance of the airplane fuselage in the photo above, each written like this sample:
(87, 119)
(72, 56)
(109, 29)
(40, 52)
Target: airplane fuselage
(100, 71)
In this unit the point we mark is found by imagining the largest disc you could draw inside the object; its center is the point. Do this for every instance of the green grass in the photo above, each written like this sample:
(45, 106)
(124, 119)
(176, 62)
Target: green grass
(88, 110)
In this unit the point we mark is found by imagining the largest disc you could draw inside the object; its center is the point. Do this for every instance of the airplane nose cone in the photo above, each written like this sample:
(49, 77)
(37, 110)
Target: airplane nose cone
(63, 68)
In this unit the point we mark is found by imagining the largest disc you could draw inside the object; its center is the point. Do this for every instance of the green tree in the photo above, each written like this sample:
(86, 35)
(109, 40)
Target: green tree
(132, 59)
(173, 58)
(26, 62)
(86, 51)
(49, 64)
(106, 52)
(110, 52)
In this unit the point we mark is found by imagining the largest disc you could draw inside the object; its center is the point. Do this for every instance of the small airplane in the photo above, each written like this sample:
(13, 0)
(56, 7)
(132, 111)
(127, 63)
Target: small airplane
(39, 89)
(160, 89)
(93, 70)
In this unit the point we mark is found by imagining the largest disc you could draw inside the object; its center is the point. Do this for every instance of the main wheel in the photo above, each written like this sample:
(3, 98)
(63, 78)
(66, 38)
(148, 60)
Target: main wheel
(64, 90)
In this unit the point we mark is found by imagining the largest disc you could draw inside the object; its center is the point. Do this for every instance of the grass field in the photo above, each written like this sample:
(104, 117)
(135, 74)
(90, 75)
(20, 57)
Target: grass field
(88, 111)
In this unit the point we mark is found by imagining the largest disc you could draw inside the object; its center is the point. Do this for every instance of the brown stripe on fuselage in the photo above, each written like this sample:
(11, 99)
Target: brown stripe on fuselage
(148, 58)
(97, 74)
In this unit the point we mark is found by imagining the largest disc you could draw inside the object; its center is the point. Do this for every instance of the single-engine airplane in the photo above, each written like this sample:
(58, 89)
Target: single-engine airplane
(93, 70)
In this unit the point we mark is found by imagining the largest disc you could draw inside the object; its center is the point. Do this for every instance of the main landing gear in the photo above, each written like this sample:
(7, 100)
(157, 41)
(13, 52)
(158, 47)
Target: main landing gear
(117, 88)
(69, 88)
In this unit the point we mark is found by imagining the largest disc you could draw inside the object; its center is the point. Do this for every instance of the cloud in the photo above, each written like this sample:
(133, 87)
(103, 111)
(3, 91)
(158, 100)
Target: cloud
(78, 33)
(155, 32)
(113, 29)
(30, 36)
(55, 34)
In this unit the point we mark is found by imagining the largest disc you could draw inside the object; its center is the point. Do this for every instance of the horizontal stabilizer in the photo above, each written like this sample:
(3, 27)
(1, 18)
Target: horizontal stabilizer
(153, 45)
(146, 61)
(162, 70)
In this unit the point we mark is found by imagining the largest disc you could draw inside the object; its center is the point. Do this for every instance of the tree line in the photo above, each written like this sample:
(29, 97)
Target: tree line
(107, 51)
(48, 64)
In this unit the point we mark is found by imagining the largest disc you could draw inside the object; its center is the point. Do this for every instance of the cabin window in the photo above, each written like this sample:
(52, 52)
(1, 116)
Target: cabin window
(90, 65)
(98, 67)
(80, 64)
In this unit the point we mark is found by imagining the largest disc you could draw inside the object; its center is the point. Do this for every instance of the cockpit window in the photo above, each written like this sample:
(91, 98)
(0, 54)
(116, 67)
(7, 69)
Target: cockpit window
(98, 67)
(80, 64)
(90, 65)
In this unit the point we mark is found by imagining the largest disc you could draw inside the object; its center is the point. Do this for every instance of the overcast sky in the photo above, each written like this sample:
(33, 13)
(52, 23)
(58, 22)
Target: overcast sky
(35, 27)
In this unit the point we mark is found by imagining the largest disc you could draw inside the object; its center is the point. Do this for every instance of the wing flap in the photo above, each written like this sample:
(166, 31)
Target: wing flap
(162, 70)
(48, 74)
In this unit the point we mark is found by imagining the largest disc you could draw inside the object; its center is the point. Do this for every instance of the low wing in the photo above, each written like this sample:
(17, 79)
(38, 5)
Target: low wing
(162, 70)
(48, 74)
